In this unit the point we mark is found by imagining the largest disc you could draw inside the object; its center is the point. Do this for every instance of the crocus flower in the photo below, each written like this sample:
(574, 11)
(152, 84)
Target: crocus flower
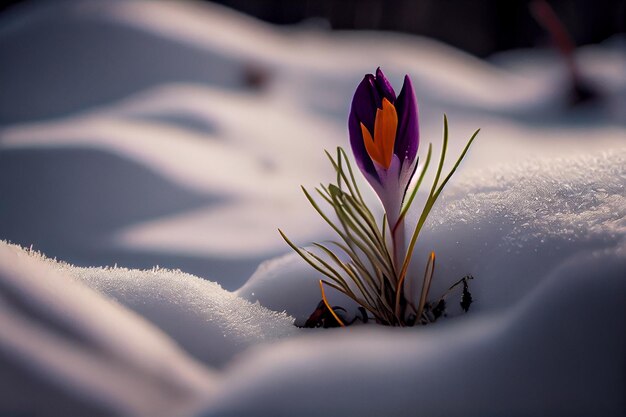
(384, 136)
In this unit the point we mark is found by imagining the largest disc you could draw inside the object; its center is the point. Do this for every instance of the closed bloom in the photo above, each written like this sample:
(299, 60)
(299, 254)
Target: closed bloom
(384, 136)
(370, 262)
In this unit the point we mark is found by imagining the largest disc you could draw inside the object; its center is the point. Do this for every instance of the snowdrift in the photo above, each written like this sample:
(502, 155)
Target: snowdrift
(135, 134)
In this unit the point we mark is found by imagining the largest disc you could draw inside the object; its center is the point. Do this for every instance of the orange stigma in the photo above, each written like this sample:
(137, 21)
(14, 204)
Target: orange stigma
(380, 149)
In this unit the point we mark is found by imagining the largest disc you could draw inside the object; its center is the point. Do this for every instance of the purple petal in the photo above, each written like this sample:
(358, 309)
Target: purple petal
(384, 87)
(365, 101)
(407, 138)
(363, 110)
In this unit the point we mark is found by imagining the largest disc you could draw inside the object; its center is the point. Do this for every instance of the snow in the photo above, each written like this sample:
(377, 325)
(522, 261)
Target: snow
(508, 227)
(133, 133)
(210, 323)
(188, 134)
(559, 352)
(75, 351)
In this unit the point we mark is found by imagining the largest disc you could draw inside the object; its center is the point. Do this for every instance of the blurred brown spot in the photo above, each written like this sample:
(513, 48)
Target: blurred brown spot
(255, 76)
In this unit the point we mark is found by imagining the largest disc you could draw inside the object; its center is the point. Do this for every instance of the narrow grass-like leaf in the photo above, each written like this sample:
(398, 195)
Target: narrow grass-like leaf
(399, 289)
(340, 172)
(408, 203)
(329, 307)
(303, 255)
(356, 187)
(379, 267)
(368, 268)
(320, 211)
(456, 165)
(369, 298)
(434, 192)
(356, 299)
(363, 244)
(331, 273)
(428, 278)
(370, 233)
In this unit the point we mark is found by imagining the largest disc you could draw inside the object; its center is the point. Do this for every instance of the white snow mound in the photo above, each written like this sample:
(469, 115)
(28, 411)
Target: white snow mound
(508, 227)
(559, 352)
(209, 322)
(78, 353)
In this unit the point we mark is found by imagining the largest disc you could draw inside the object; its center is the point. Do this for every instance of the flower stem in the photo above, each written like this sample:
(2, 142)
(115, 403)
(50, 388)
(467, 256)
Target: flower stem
(397, 235)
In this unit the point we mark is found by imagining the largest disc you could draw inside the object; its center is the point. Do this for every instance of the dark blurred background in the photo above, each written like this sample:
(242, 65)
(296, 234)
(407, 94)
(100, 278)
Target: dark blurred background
(480, 27)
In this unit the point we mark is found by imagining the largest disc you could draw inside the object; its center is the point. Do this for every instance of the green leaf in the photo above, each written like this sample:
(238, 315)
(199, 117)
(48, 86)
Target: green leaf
(367, 268)
(408, 203)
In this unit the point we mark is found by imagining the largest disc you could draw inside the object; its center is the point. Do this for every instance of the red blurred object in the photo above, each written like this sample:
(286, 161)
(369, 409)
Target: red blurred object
(545, 15)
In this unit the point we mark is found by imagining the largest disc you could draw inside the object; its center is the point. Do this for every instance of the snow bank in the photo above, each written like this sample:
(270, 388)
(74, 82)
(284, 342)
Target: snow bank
(210, 323)
(508, 227)
(207, 321)
(131, 133)
(546, 243)
(559, 352)
(152, 102)
(77, 353)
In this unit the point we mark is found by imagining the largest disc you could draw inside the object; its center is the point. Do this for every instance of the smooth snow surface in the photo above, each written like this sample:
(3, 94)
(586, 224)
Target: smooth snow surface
(137, 133)
(560, 352)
